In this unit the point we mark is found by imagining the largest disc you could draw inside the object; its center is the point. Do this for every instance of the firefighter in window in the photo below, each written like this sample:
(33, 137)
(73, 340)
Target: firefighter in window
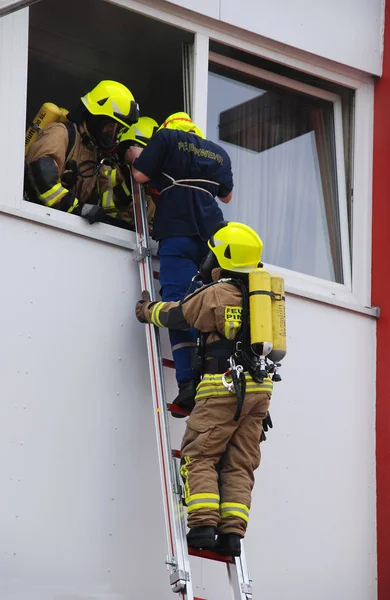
(240, 316)
(116, 200)
(65, 151)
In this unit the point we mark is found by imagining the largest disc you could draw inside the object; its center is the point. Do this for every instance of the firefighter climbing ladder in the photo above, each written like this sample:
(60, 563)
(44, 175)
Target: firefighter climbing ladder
(177, 561)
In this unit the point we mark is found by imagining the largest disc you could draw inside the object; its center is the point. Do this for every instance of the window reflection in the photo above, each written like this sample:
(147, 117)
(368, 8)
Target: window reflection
(282, 148)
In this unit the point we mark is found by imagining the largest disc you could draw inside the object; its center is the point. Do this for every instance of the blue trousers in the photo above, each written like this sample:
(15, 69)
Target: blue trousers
(180, 258)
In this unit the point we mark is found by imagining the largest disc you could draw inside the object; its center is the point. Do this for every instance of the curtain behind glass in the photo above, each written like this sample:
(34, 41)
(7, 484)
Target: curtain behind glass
(282, 148)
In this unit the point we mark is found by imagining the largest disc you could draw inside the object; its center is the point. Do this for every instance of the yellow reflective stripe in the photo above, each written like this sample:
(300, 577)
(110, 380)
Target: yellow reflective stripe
(126, 189)
(212, 505)
(204, 495)
(232, 321)
(254, 387)
(108, 200)
(234, 509)
(199, 501)
(234, 513)
(211, 385)
(216, 379)
(184, 474)
(208, 392)
(74, 205)
(235, 505)
(54, 195)
(154, 317)
(111, 174)
(55, 200)
(231, 328)
(52, 190)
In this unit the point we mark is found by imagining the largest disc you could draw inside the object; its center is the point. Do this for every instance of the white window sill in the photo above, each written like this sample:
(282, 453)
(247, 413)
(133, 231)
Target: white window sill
(73, 224)
(297, 284)
(320, 290)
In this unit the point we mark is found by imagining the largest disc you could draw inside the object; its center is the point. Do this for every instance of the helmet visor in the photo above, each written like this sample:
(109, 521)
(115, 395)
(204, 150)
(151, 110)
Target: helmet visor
(132, 117)
(104, 130)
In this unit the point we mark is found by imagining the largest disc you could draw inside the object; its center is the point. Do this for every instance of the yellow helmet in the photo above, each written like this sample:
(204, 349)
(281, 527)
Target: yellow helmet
(183, 122)
(114, 100)
(140, 133)
(236, 247)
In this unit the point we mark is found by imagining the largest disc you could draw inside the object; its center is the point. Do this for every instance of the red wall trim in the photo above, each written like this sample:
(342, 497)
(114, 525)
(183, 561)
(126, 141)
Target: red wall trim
(381, 298)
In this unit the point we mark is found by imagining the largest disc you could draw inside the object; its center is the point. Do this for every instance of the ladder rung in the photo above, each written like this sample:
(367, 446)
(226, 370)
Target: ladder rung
(168, 363)
(178, 409)
(210, 555)
(199, 598)
(176, 453)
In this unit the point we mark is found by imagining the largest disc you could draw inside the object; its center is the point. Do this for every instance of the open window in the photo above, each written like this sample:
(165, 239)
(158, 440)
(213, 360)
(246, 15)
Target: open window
(285, 139)
(74, 45)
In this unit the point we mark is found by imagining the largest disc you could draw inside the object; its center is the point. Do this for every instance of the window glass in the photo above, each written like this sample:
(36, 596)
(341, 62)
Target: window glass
(282, 147)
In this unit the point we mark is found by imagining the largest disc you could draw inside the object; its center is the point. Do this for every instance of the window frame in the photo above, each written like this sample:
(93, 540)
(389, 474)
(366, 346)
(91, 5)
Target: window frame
(292, 84)
(355, 294)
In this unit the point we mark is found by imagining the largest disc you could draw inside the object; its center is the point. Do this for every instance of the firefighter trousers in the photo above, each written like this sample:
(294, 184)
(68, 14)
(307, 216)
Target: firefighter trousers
(219, 457)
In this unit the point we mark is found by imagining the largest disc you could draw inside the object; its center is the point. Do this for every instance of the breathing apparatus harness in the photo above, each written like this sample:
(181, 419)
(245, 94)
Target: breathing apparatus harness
(87, 168)
(237, 353)
(188, 183)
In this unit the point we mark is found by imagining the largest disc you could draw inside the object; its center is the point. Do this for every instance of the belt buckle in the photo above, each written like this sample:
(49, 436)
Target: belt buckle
(228, 386)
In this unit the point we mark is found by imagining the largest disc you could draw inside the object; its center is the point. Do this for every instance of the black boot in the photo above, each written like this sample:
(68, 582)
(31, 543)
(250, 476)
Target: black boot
(229, 544)
(202, 537)
(186, 397)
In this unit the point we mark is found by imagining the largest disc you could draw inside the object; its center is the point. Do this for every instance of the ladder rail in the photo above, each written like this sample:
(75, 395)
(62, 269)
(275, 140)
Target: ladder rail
(239, 578)
(178, 561)
(177, 557)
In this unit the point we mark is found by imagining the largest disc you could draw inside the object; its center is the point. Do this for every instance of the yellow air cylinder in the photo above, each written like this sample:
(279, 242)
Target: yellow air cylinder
(278, 319)
(48, 113)
(260, 311)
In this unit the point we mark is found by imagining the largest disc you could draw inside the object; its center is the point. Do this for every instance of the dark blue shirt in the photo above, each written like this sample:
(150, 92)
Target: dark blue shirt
(182, 211)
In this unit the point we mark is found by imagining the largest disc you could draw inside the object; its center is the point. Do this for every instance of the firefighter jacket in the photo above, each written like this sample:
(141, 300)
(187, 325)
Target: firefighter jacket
(216, 311)
(65, 174)
(53, 169)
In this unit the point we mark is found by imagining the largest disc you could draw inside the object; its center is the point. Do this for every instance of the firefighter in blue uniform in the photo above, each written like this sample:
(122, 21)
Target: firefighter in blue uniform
(189, 172)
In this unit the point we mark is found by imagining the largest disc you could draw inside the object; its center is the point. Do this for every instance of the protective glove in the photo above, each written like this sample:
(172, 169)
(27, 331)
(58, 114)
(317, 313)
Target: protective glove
(141, 305)
(93, 213)
(267, 424)
(70, 204)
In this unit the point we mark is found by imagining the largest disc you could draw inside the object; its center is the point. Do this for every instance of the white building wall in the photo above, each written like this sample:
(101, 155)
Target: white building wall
(81, 514)
(80, 510)
(346, 31)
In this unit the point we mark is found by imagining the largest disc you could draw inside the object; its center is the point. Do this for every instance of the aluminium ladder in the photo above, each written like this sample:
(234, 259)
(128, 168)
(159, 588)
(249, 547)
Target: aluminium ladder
(178, 562)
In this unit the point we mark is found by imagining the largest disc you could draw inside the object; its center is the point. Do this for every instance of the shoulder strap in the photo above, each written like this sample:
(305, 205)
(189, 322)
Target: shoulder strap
(71, 129)
(205, 287)
(198, 291)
